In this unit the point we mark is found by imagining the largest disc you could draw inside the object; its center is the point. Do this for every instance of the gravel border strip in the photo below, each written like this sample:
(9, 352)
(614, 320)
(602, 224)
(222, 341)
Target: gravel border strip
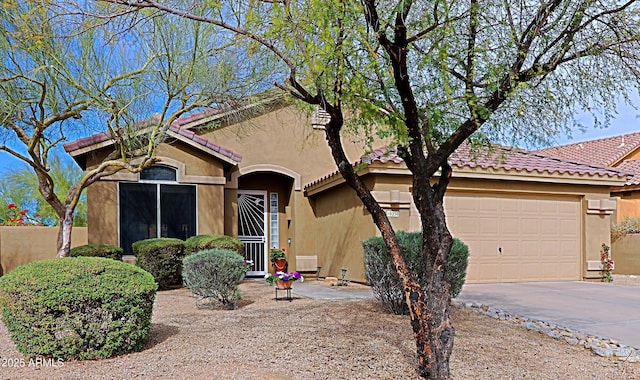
(604, 347)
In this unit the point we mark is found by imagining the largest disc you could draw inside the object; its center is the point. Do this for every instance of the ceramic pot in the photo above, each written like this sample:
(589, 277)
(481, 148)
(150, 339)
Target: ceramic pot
(281, 284)
(280, 265)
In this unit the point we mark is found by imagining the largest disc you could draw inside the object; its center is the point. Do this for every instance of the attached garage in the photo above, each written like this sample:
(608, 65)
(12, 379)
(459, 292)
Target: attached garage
(524, 216)
(518, 237)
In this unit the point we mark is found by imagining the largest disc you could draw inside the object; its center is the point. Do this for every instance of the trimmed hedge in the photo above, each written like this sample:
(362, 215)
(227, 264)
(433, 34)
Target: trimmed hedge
(97, 250)
(215, 273)
(162, 257)
(77, 308)
(199, 243)
(385, 282)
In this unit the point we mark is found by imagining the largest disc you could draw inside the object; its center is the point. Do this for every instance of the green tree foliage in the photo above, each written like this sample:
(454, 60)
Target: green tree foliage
(19, 185)
(431, 76)
(66, 75)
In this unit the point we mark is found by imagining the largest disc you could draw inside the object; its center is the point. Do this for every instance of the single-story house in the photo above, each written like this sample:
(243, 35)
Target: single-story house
(269, 180)
(621, 152)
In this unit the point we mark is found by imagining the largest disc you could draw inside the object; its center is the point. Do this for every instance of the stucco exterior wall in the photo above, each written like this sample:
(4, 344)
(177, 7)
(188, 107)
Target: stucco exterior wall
(340, 207)
(285, 138)
(626, 255)
(21, 245)
(337, 233)
(193, 167)
(628, 206)
(102, 213)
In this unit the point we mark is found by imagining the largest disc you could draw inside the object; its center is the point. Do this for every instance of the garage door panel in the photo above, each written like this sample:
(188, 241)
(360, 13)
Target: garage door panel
(539, 236)
(467, 225)
(509, 225)
(510, 249)
(567, 248)
(489, 272)
(487, 225)
(549, 227)
(567, 227)
(550, 250)
(530, 272)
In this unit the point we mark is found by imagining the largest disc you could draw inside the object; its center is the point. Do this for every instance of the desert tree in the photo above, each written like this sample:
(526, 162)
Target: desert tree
(19, 185)
(432, 76)
(65, 75)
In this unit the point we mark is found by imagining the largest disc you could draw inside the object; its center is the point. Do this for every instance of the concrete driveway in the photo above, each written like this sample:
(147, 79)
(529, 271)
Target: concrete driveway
(603, 310)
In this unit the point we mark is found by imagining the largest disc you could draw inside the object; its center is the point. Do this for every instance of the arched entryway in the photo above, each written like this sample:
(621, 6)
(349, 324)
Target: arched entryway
(264, 201)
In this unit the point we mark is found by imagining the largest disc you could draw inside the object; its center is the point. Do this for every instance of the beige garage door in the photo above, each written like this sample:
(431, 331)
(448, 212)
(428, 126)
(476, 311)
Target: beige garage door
(517, 238)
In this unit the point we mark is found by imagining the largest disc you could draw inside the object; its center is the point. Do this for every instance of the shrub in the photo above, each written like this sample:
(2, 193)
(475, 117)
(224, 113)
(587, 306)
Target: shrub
(386, 284)
(199, 243)
(77, 308)
(98, 250)
(162, 257)
(215, 273)
(625, 227)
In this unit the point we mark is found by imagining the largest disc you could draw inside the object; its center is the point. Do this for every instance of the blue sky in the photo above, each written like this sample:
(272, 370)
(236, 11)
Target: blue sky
(627, 121)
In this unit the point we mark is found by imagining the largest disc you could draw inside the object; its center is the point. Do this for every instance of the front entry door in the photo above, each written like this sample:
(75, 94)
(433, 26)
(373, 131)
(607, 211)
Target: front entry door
(252, 223)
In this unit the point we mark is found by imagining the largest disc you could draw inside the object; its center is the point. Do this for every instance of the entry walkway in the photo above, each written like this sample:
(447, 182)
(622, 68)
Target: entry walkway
(603, 310)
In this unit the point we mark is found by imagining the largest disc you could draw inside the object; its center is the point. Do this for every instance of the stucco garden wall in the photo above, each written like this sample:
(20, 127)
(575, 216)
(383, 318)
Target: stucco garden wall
(628, 207)
(20, 245)
(626, 254)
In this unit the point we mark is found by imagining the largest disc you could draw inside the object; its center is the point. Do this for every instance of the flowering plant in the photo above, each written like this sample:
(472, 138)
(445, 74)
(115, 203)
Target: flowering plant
(15, 217)
(277, 253)
(283, 276)
(607, 263)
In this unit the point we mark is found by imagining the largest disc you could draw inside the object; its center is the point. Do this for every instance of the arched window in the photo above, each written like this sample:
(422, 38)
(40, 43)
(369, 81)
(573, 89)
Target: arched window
(159, 173)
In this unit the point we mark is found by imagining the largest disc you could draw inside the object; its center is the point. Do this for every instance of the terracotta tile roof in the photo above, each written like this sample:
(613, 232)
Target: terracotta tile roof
(175, 127)
(501, 157)
(605, 151)
(508, 158)
(634, 167)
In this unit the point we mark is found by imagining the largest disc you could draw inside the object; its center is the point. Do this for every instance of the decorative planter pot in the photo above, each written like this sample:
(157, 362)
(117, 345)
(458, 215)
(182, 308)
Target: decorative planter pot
(280, 265)
(280, 284)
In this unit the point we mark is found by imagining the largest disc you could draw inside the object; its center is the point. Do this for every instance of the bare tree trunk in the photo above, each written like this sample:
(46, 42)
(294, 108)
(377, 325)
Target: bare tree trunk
(429, 309)
(64, 234)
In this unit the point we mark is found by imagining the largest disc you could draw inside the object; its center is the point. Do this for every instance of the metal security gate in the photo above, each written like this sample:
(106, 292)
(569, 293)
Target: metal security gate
(252, 222)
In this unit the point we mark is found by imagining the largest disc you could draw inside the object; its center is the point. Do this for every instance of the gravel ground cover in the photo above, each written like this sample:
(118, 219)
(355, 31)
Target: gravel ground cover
(313, 339)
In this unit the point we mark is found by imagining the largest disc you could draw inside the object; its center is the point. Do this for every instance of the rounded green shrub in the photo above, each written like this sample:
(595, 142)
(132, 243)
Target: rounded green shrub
(385, 282)
(77, 308)
(199, 243)
(215, 274)
(162, 257)
(97, 250)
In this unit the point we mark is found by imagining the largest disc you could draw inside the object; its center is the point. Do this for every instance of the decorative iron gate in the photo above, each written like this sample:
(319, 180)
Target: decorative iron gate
(252, 222)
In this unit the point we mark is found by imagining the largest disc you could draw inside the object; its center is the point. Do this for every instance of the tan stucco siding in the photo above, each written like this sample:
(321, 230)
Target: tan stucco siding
(102, 212)
(336, 237)
(192, 167)
(21, 245)
(628, 205)
(210, 209)
(195, 162)
(340, 207)
(626, 254)
(284, 138)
